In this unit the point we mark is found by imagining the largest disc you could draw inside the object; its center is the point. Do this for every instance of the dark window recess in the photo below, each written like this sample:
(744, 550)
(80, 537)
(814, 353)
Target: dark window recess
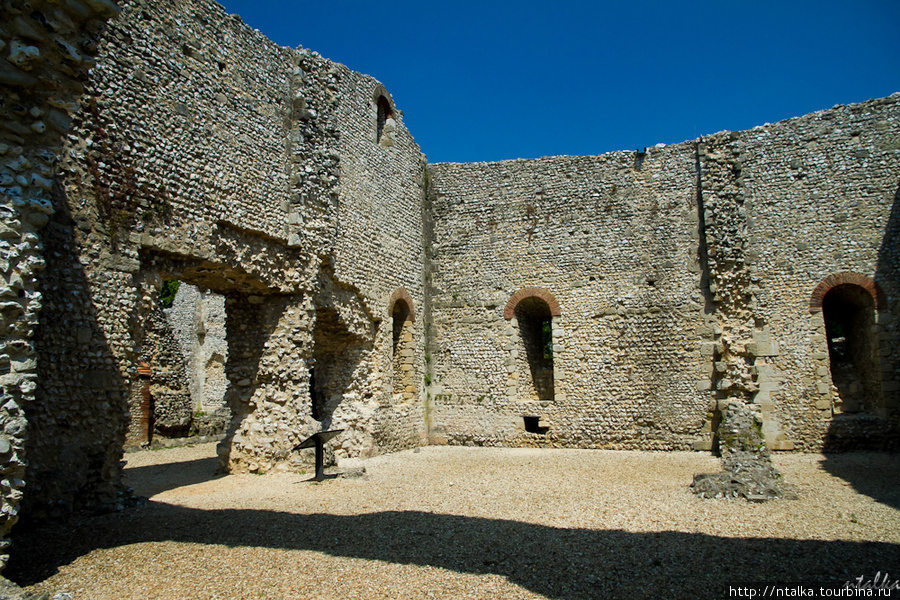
(849, 314)
(536, 329)
(315, 401)
(384, 113)
(533, 425)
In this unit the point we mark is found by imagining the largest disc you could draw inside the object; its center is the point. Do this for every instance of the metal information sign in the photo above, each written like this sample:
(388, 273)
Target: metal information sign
(317, 441)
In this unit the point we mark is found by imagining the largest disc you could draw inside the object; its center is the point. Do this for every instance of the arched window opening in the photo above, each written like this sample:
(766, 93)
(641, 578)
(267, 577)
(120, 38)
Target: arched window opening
(849, 314)
(535, 320)
(402, 357)
(384, 113)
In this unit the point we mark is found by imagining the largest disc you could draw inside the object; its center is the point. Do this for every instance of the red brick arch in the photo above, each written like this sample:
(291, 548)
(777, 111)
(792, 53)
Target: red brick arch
(531, 292)
(832, 281)
(401, 294)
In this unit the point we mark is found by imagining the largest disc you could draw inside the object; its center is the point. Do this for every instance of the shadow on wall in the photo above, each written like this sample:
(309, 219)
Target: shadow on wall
(553, 562)
(876, 425)
(77, 423)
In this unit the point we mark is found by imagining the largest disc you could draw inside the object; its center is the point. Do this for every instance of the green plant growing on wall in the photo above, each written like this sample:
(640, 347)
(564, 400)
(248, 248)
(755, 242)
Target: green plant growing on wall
(167, 293)
(547, 338)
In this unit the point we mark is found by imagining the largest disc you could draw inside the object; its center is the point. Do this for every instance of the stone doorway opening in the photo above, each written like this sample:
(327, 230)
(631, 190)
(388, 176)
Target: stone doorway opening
(849, 314)
(343, 338)
(184, 350)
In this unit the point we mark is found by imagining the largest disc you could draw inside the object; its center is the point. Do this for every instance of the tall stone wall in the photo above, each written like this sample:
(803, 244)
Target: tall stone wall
(46, 50)
(613, 240)
(688, 278)
(201, 151)
(819, 203)
(380, 246)
(157, 163)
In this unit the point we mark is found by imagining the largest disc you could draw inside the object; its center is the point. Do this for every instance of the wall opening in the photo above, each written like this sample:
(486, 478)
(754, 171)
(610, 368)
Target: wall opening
(402, 352)
(315, 399)
(533, 425)
(384, 113)
(170, 405)
(849, 314)
(337, 354)
(535, 327)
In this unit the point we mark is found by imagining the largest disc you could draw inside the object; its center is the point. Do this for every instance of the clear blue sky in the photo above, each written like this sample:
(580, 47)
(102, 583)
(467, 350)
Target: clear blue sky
(490, 80)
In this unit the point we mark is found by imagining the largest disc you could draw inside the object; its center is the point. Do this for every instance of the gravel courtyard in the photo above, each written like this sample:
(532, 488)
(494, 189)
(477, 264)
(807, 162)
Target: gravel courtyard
(453, 522)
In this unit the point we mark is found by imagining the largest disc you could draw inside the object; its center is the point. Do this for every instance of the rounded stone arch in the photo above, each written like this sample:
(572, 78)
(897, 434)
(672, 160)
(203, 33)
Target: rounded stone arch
(847, 277)
(403, 347)
(381, 92)
(384, 111)
(401, 294)
(847, 304)
(531, 292)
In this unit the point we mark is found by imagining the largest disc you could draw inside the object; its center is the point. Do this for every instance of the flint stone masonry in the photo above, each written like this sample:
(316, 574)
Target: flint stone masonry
(664, 296)
(197, 321)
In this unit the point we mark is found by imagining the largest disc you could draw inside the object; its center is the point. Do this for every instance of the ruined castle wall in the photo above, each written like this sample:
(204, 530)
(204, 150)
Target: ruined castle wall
(379, 246)
(197, 319)
(45, 51)
(178, 148)
(613, 239)
(194, 103)
(821, 198)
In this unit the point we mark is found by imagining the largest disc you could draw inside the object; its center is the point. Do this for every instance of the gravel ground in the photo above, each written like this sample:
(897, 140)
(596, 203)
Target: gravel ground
(452, 522)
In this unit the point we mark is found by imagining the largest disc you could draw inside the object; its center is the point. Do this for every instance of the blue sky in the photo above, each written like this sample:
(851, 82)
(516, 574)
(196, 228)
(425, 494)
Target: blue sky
(481, 81)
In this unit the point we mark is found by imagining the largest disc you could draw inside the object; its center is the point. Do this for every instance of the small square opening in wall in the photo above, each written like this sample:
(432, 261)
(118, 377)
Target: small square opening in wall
(534, 425)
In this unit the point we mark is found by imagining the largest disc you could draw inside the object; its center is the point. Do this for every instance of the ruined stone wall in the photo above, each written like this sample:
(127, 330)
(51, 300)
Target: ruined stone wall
(159, 161)
(203, 152)
(380, 245)
(197, 320)
(819, 198)
(45, 50)
(669, 284)
(613, 240)
(682, 289)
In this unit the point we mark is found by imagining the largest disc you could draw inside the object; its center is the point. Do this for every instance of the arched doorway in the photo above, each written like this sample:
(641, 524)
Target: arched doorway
(849, 314)
(848, 303)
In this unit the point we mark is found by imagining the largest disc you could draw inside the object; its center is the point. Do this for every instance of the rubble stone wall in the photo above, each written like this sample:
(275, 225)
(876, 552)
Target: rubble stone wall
(198, 150)
(144, 140)
(380, 246)
(821, 195)
(686, 278)
(46, 50)
(613, 239)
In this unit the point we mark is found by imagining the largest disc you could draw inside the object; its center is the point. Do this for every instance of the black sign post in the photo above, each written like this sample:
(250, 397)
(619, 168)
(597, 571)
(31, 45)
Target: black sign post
(317, 441)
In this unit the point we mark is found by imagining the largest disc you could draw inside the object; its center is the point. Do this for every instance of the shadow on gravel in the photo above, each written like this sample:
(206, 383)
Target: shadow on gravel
(558, 563)
(153, 479)
(875, 475)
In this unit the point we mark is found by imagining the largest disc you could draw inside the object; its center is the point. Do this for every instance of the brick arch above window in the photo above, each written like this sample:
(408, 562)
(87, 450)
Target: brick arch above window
(848, 277)
(531, 292)
(401, 294)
